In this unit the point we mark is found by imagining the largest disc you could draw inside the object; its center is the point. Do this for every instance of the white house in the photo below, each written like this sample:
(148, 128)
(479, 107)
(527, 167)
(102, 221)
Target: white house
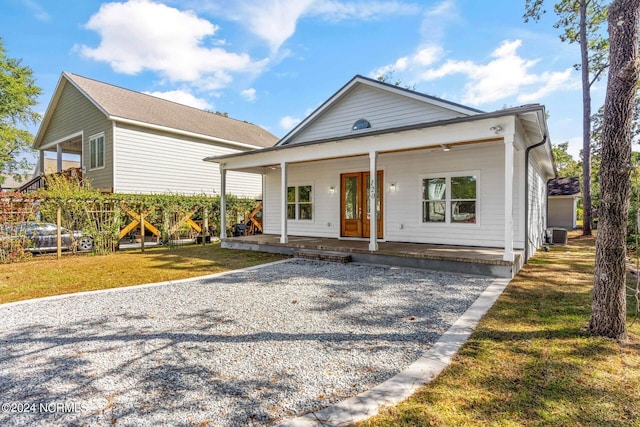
(445, 173)
(131, 142)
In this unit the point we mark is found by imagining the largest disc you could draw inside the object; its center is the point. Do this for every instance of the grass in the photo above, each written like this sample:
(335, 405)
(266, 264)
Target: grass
(531, 362)
(45, 275)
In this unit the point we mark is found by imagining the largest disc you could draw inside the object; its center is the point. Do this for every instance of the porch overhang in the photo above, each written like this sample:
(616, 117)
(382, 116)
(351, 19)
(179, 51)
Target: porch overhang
(457, 133)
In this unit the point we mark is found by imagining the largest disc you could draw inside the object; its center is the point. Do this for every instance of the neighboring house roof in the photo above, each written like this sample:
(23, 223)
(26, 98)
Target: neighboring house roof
(452, 109)
(124, 105)
(568, 186)
(10, 183)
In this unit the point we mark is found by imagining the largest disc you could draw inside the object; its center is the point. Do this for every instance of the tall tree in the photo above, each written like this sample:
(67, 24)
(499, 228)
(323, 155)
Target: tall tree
(609, 308)
(581, 22)
(387, 77)
(566, 165)
(18, 96)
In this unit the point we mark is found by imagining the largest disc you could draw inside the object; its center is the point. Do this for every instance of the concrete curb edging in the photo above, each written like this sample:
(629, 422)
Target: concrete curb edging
(419, 373)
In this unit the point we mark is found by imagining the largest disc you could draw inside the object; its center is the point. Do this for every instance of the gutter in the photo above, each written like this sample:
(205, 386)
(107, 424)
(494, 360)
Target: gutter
(526, 196)
(167, 129)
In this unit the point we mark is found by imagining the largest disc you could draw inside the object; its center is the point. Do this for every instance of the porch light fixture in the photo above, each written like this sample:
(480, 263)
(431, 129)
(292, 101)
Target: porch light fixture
(332, 190)
(445, 147)
(392, 186)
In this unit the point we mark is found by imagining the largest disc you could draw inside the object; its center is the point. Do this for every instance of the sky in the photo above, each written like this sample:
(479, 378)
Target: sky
(272, 62)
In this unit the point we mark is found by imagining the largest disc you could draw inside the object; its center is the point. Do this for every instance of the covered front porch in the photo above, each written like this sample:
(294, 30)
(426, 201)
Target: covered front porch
(66, 161)
(457, 259)
(453, 195)
(69, 147)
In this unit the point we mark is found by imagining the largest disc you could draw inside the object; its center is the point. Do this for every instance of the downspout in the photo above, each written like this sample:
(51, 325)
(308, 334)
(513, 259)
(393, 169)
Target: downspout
(526, 196)
(547, 210)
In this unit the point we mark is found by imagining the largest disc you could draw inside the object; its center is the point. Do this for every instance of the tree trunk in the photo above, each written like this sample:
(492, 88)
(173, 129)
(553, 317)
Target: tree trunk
(609, 310)
(587, 216)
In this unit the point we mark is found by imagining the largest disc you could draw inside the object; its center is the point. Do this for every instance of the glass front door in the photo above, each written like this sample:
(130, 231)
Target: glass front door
(355, 204)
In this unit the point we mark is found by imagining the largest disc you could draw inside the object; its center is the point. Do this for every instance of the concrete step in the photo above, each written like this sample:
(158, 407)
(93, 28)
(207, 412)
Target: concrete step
(324, 256)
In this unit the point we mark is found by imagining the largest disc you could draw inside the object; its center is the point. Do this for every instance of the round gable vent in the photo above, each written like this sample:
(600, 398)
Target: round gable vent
(361, 124)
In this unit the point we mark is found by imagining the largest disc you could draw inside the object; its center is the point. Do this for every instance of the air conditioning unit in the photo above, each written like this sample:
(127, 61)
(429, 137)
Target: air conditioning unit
(559, 236)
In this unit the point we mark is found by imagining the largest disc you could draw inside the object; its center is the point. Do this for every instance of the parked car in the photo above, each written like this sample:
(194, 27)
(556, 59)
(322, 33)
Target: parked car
(43, 236)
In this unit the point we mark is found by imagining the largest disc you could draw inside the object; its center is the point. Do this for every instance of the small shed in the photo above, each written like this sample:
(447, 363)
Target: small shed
(563, 202)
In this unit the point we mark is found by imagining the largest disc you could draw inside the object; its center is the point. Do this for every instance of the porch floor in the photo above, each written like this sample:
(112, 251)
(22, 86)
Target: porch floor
(463, 259)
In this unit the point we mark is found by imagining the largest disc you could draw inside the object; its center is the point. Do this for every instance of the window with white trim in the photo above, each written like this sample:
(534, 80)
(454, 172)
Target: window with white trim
(96, 151)
(449, 199)
(300, 202)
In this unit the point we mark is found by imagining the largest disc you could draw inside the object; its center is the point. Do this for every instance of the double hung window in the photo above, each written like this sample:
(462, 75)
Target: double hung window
(449, 198)
(300, 202)
(96, 151)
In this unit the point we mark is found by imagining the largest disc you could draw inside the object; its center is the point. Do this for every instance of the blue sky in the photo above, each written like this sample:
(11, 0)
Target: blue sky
(272, 62)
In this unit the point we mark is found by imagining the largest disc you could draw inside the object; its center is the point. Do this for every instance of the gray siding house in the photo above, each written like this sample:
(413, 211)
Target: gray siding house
(563, 202)
(130, 142)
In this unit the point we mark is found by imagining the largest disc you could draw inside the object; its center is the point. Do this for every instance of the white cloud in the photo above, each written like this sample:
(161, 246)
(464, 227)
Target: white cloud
(249, 94)
(553, 81)
(436, 20)
(275, 21)
(423, 57)
(288, 122)
(427, 55)
(333, 10)
(142, 35)
(507, 74)
(183, 97)
(434, 23)
(38, 11)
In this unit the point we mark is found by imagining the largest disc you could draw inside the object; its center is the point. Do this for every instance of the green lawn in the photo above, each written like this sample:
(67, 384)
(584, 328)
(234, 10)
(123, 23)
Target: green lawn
(531, 361)
(44, 275)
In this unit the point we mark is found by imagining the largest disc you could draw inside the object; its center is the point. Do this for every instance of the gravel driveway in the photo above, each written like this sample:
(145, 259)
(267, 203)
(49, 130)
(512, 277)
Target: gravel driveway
(245, 348)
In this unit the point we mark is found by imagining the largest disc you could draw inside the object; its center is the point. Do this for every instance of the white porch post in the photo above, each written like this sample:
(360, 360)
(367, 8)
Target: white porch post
(41, 162)
(373, 219)
(508, 198)
(223, 202)
(59, 158)
(283, 203)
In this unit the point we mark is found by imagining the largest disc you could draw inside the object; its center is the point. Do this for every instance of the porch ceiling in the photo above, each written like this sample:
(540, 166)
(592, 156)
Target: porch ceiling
(320, 157)
(454, 137)
(70, 146)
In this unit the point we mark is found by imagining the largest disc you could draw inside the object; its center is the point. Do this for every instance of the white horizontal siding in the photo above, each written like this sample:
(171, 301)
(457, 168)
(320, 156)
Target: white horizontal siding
(537, 206)
(402, 208)
(518, 201)
(155, 162)
(326, 206)
(382, 109)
